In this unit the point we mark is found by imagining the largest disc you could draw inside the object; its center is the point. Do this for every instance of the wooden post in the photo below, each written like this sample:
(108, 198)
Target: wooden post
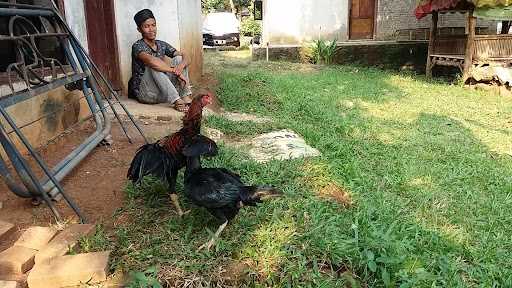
(431, 41)
(470, 43)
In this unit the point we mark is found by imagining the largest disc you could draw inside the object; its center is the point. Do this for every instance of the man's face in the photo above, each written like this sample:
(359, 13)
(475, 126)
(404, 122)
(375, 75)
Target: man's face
(148, 29)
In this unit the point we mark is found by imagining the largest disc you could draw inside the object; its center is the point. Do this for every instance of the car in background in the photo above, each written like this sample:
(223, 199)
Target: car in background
(221, 29)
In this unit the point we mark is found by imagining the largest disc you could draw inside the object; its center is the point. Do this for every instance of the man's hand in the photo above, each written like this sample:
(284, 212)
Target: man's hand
(179, 68)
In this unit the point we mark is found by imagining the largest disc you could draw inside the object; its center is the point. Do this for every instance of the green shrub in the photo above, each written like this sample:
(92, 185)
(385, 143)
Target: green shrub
(250, 27)
(318, 52)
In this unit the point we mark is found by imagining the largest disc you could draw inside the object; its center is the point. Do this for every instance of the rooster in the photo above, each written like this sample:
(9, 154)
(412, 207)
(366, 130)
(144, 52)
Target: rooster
(163, 159)
(219, 190)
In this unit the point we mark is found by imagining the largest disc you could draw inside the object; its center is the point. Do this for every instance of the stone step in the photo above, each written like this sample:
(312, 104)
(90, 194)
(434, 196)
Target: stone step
(6, 230)
(64, 241)
(16, 261)
(71, 270)
(36, 237)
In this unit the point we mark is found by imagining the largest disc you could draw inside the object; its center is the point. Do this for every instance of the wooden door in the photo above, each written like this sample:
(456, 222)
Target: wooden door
(362, 17)
(102, 39)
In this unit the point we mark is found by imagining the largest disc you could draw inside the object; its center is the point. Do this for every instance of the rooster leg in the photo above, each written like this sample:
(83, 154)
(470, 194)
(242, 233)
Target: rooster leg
(176, 202)
(210, 243)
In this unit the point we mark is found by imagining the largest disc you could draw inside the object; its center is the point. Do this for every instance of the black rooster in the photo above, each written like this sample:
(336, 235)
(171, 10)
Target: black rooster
(219, 190)
(163, 159)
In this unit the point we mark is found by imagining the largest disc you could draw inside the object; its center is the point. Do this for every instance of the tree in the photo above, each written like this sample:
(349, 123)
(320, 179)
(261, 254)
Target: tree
(235, 6)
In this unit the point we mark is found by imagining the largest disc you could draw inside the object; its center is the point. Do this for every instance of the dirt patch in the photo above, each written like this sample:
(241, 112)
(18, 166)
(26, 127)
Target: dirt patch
(236, 272)
(334, 192)
(96, 184)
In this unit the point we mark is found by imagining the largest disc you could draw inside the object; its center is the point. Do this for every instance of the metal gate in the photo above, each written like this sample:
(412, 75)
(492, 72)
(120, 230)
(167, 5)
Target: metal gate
(33, 74)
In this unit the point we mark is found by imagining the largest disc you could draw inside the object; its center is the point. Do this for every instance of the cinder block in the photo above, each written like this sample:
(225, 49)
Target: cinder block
(71, 270)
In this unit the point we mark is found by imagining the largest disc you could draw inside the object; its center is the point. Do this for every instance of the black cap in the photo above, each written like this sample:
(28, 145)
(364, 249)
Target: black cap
(142, 16)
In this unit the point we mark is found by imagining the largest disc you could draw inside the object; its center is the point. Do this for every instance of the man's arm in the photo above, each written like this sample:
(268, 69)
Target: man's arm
(185, 61)
(155, 63)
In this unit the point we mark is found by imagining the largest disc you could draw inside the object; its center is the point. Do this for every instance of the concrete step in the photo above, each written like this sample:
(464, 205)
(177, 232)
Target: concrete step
(71, 270)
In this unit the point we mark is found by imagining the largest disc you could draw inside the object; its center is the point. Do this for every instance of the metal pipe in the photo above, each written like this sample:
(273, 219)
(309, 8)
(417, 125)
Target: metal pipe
(41, 164)
(24, 6)
(104, 79)
(25, 167)
(25, 12)
(6, 176)
(73, 159)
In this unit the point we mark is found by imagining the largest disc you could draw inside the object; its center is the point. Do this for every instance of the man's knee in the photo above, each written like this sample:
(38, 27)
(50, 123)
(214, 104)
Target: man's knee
(176, 60)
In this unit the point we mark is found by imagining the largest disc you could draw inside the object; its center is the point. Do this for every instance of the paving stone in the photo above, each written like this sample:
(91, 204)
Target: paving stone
(71, 270)
(36, 237)
(64, 241)
(16, 260)
(6, 229)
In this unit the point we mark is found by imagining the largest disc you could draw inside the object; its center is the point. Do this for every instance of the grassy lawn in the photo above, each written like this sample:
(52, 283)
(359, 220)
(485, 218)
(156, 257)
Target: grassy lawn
(414, 187)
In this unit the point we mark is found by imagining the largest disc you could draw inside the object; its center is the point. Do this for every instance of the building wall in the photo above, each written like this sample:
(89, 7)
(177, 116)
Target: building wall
(191, 38)
(296, 21)
(75, 17)
(396, 15)
(179, 23)
(166, 15)
(69, 107)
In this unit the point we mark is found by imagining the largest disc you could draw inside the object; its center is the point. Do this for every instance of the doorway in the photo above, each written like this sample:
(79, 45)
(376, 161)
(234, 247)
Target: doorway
(102, 38)
(362, 19)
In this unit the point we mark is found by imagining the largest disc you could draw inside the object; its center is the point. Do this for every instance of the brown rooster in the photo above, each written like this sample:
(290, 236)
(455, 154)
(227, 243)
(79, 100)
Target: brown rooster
(163, 159)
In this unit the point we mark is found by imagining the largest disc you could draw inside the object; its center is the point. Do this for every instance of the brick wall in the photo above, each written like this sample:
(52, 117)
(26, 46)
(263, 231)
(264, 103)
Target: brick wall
(396, 17)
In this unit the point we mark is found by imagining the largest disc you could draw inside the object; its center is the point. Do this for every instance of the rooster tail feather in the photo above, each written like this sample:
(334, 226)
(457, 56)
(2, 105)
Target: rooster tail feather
(255, 194)
(150, 159)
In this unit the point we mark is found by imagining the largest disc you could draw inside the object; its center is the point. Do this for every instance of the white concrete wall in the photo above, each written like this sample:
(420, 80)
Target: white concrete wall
(75, 16)
(168, 30)
(296, 21)
(191, 39)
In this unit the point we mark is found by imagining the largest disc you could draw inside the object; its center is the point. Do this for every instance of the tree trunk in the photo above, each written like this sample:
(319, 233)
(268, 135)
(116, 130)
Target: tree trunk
(505, 26)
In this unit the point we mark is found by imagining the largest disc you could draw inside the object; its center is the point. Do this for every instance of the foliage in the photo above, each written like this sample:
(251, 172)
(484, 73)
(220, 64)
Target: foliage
(214, 5)
(318, 52)
(222, 5)
(250, 27)
(427, 165)
(146, 279)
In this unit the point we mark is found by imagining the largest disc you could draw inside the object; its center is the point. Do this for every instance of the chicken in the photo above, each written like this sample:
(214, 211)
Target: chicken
(163, 159)
(219, 190)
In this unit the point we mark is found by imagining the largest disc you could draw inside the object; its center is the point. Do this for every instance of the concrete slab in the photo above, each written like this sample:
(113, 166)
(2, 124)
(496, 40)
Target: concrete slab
(6, 229)
(64, 242)
(71, 270)
(36, 237)
(16, 261)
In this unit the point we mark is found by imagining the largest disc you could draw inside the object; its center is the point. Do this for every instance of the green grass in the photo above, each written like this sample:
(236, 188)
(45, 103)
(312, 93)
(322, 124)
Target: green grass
(428, 166)
(240, 129)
